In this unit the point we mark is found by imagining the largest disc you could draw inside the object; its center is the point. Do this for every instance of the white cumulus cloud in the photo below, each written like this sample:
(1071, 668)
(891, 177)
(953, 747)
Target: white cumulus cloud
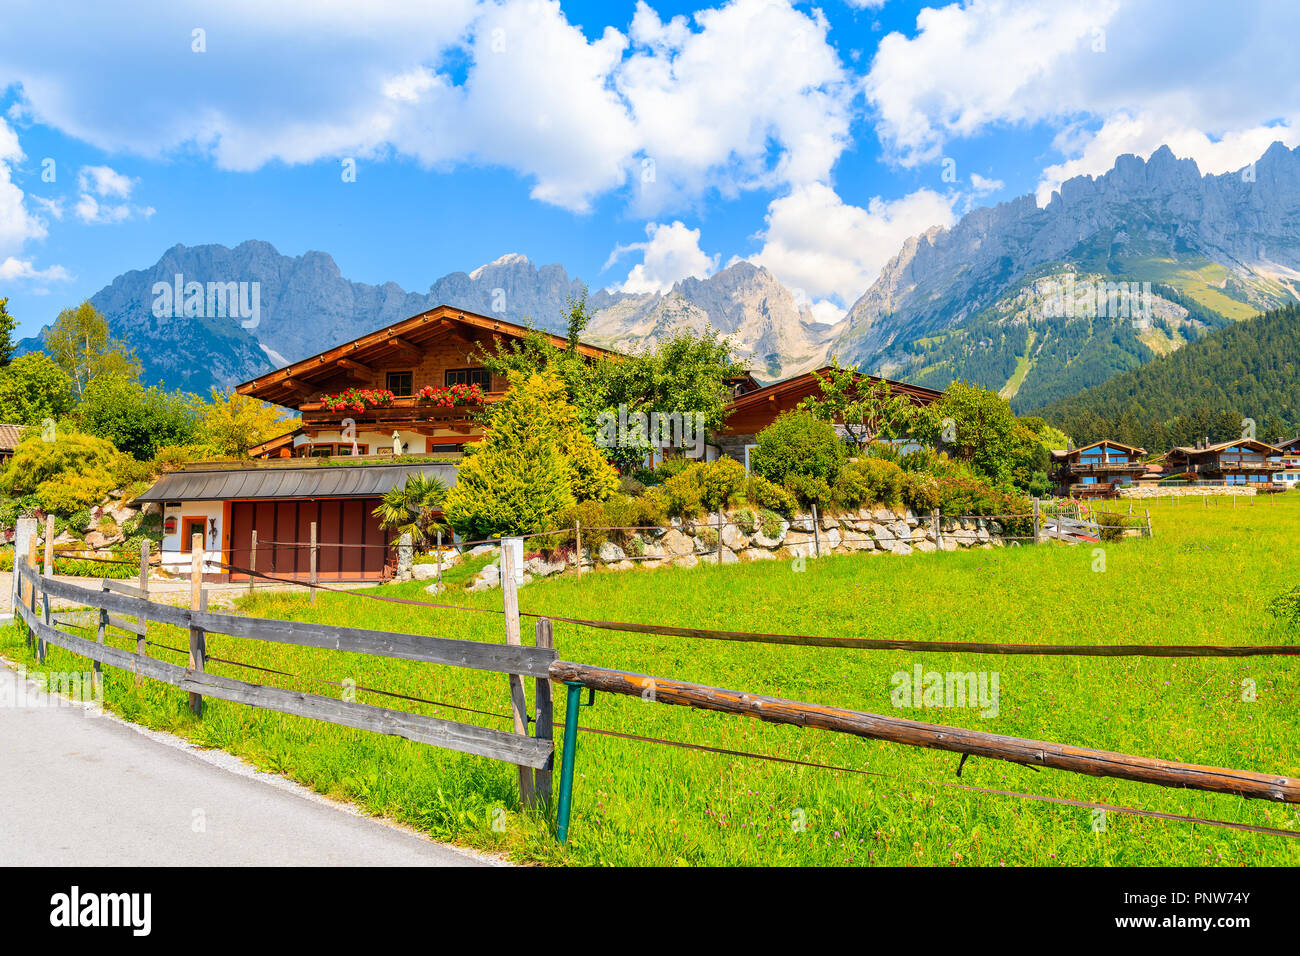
(672, 252)
(829, 249)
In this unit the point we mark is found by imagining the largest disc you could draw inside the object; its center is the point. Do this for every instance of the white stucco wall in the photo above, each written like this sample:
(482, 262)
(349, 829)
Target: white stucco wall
(173, 559)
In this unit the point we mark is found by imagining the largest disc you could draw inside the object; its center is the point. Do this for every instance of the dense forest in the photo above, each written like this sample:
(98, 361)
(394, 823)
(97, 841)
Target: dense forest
(1247, 370)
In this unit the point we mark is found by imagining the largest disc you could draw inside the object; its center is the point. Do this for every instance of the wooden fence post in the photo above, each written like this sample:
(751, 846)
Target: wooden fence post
(313, 562)
(24, 533)
(934, 526)
(197, 595)
(141, 643)
(718, 557)
(252, 558)
(518, 704)
(439, 560)
(577, 538)
(101, 626)
(31, 587)
(1149, 534)
(817, 541)
(49, 545)
(545, 729)
(1036, 534)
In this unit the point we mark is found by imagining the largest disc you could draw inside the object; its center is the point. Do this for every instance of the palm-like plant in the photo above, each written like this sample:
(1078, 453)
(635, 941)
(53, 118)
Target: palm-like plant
(410, 508)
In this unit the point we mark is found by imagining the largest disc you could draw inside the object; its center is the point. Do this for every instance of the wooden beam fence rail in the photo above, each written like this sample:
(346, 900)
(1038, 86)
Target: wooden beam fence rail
(1031, 753)
(535, 753)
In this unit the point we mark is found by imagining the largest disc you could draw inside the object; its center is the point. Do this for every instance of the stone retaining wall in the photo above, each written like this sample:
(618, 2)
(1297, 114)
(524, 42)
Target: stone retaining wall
(1184, 491)
(688, 543)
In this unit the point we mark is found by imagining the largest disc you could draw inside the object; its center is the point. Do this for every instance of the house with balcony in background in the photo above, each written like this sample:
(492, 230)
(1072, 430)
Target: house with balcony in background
(1097, 470)
(1241, 461)
(402, 400)
(755, 406)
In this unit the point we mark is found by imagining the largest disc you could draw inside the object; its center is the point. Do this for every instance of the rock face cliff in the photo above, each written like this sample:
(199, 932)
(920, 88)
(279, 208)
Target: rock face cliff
(972, 301)
(981, 301)
(256, 310)
(777, 336)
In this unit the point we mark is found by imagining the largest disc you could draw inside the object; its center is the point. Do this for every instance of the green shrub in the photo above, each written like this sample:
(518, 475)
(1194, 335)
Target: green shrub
(808, 489)
(869, 481)
(762, 493)
(798, 444)
(1113, 526)
(704, 486)
(723, 482)
(683, 494)
(920, 492)
(533, 463)
(73, 472)
(770, 523)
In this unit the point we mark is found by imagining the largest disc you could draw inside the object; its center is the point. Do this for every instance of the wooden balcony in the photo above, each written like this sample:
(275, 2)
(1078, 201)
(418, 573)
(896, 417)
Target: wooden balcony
(402, 411)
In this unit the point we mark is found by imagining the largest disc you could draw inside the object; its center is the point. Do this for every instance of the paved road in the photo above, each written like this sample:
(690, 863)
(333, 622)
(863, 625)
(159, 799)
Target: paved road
(91, 791)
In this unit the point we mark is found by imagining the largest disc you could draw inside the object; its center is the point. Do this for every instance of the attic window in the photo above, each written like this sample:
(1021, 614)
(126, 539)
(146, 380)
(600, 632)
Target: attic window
(399, 383)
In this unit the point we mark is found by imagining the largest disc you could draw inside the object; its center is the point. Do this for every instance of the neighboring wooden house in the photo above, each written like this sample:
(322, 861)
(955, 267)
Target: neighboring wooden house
(10, 436)
(297, 478)
(754, 409)
(1242, 461)
(1097, 470)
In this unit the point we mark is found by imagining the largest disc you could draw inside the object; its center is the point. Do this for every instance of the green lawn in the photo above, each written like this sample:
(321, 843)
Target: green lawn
(1205, 578)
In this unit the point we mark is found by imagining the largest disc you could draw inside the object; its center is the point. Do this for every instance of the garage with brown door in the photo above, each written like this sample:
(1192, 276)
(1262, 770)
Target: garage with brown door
(277, 505)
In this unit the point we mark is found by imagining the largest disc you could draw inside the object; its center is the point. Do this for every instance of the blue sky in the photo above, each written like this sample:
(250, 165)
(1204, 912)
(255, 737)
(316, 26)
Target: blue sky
(633, 142)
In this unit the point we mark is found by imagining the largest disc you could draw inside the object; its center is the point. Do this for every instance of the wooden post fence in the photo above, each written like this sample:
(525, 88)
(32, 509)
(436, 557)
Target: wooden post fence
(439, 560)
(721, 517)
(120, 598)
(817, 541)
(545, 722)
(24, 532)
(252, 557)
(518, 703)
(936, 527)
(1037, 538)
(197, 649)
(313, 562)
(577, 538)
(49, 545)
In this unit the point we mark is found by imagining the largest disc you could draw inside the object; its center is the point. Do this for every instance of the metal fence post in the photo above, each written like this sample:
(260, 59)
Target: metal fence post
(566, 763)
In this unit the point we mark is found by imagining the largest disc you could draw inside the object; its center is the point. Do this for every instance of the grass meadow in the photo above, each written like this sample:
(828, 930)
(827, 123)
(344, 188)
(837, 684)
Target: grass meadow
(1205, 577)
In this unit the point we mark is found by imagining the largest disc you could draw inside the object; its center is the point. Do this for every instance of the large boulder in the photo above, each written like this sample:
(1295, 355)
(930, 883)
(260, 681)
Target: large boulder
(540, 567)
(686, 561)
(676, 543)
(757, 554)
(734, 537)
(610, 553)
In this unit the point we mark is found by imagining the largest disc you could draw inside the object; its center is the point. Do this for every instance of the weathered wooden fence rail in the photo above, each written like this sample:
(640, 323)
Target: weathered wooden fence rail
(534, 753)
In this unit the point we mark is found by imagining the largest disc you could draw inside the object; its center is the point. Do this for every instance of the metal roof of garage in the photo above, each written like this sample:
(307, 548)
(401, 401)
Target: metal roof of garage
(335, 481)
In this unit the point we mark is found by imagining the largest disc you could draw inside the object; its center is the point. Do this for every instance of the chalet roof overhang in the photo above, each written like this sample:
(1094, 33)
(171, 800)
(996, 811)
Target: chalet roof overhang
(335, 481)
(300, 381)
(1131, 449)
(1252, 443)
